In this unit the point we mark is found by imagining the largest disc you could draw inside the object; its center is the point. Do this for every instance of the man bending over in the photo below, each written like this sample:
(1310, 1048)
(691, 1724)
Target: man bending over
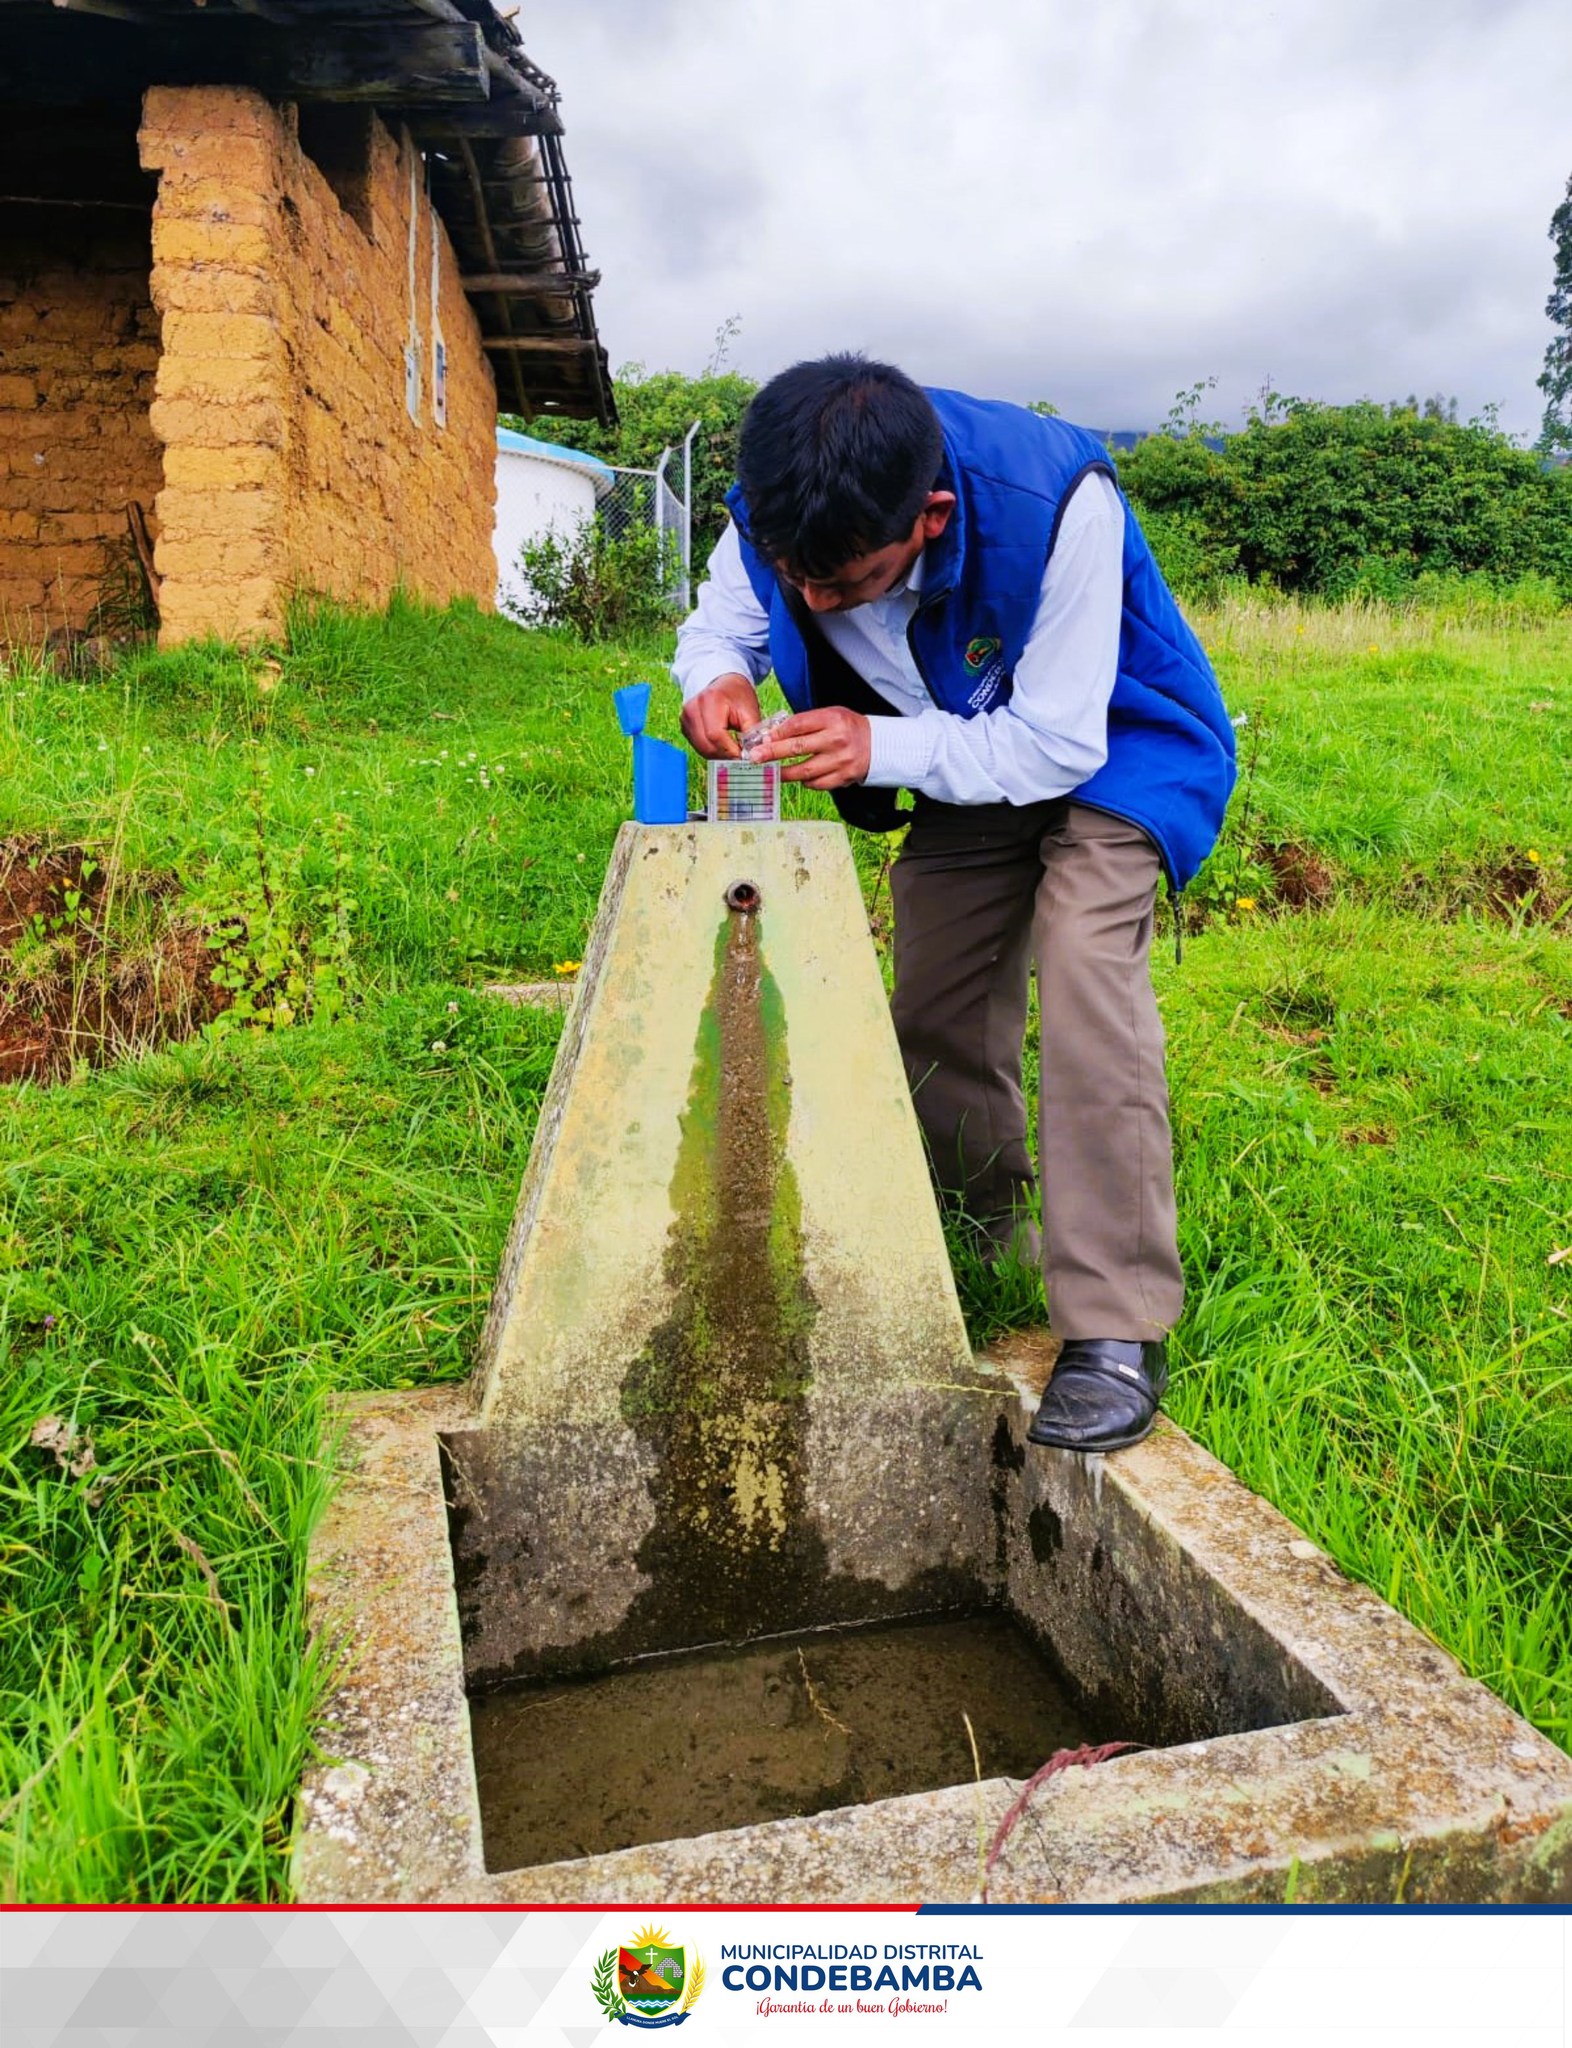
(957, 601)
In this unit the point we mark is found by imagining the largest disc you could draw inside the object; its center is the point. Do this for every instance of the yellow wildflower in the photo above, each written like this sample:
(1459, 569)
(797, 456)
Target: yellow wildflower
(1244, 903)
(566, 966)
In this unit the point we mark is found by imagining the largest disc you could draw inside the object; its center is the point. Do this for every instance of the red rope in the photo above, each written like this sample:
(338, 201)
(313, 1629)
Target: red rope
(1061, 1760)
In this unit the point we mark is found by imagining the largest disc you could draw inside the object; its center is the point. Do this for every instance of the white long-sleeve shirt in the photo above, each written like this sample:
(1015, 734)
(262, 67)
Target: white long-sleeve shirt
(1050, 736)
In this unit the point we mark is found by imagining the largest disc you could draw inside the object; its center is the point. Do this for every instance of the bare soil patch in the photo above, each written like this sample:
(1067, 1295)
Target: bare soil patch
(93, 964)
(1303, 877)
(1518, 886)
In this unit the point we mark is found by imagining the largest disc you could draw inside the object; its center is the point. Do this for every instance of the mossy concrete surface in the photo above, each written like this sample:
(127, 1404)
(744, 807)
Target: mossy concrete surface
(1315, 1744)
(618, 1209)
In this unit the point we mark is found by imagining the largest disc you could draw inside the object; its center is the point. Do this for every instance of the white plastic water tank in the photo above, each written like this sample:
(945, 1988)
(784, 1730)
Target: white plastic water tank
(539, 487)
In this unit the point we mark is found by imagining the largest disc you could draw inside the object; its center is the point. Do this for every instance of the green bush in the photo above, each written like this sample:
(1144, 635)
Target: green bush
(594, 586)
(1352, 501)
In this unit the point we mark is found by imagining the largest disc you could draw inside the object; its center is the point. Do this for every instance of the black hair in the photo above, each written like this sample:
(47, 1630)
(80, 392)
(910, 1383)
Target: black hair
(836, 459)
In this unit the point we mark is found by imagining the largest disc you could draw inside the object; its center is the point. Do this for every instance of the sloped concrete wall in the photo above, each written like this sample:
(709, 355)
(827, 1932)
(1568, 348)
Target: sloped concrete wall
(587, 1274)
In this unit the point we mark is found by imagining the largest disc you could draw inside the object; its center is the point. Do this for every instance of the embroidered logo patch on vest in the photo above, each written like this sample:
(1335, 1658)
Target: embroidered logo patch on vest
(978, 653)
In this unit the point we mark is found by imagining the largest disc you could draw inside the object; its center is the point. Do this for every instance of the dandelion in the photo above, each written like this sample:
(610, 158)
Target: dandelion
(1533, 856)
(1374, 649)
(1244, 903)
(566, 966)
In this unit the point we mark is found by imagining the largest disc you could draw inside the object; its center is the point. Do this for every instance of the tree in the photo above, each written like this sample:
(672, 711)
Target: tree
(654, 411)
(1556, 378)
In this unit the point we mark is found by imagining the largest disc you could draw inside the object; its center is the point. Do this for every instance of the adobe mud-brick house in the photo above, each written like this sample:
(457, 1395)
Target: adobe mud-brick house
(266, 269)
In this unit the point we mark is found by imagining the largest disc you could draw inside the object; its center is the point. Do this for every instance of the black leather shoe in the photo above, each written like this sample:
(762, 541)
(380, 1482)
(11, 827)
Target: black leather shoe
(1103, 1395)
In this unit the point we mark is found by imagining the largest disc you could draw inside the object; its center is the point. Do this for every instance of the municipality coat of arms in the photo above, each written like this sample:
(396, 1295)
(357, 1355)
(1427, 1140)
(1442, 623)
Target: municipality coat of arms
(649, 1981)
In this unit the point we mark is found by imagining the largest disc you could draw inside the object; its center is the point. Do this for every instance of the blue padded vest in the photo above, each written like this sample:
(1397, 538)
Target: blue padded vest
(1170, 765)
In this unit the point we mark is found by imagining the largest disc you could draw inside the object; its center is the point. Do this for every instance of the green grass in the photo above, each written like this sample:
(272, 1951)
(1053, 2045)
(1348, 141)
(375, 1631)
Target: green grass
(1374, 1132)
(1416, 754)
(1372, 1100)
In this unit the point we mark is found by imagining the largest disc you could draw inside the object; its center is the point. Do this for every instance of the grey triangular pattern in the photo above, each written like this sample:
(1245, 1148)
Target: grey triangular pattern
(23, 1938)
(473, 1940)
(317, 2036)
(544, 1979)
(387, 1945)
(120, 1996)
(94, 1940)
(309, 1941)
(351, 2000)
(221, 2032)
(497, 1997)
(177, 1940)
(41, 1999)
(236, 1941)
(279, 1996)
(430, 1997)
(554, 1941)
(199, 1998)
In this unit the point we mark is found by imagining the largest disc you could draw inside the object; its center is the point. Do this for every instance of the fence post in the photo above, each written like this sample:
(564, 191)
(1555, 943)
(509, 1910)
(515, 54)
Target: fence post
(687, 517)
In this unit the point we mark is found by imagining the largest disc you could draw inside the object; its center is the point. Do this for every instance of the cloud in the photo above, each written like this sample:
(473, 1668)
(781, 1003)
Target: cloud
(1095, 204)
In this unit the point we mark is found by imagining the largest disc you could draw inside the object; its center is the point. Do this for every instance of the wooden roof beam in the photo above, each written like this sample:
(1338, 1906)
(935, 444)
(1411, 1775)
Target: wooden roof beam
(540, 344)
(545, 284)
(501, 116)
(55, 64)
(379, 67)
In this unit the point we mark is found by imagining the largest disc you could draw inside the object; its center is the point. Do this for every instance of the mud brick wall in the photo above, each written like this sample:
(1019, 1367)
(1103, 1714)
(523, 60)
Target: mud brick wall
(290, 458)
(78, 351)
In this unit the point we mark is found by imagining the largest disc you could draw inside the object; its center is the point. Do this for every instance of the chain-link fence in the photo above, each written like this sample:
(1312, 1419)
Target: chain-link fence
(658, 501)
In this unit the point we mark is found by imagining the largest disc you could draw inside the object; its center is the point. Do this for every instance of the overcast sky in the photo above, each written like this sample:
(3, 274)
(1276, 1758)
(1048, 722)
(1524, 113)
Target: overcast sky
(1093, 201)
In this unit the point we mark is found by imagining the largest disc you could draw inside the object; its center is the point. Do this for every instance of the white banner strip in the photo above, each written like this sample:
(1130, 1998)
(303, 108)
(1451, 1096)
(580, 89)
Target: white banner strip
(1256, 1978)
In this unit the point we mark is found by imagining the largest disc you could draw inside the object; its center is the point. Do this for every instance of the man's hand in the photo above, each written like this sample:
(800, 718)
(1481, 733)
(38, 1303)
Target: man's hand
(712, 720)
(837, 744)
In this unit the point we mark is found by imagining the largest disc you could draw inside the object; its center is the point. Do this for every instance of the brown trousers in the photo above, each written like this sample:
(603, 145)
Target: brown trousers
(981, 894)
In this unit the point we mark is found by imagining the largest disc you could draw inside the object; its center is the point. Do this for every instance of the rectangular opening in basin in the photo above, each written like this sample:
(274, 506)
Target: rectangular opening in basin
(621, 1695)
(791, 1725)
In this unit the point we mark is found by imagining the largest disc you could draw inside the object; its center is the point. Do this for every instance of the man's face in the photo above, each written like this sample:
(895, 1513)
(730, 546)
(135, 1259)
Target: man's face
(866, 577)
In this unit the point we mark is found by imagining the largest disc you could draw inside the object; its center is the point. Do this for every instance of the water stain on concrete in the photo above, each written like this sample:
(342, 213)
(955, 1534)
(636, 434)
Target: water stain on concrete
(718, 1392)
